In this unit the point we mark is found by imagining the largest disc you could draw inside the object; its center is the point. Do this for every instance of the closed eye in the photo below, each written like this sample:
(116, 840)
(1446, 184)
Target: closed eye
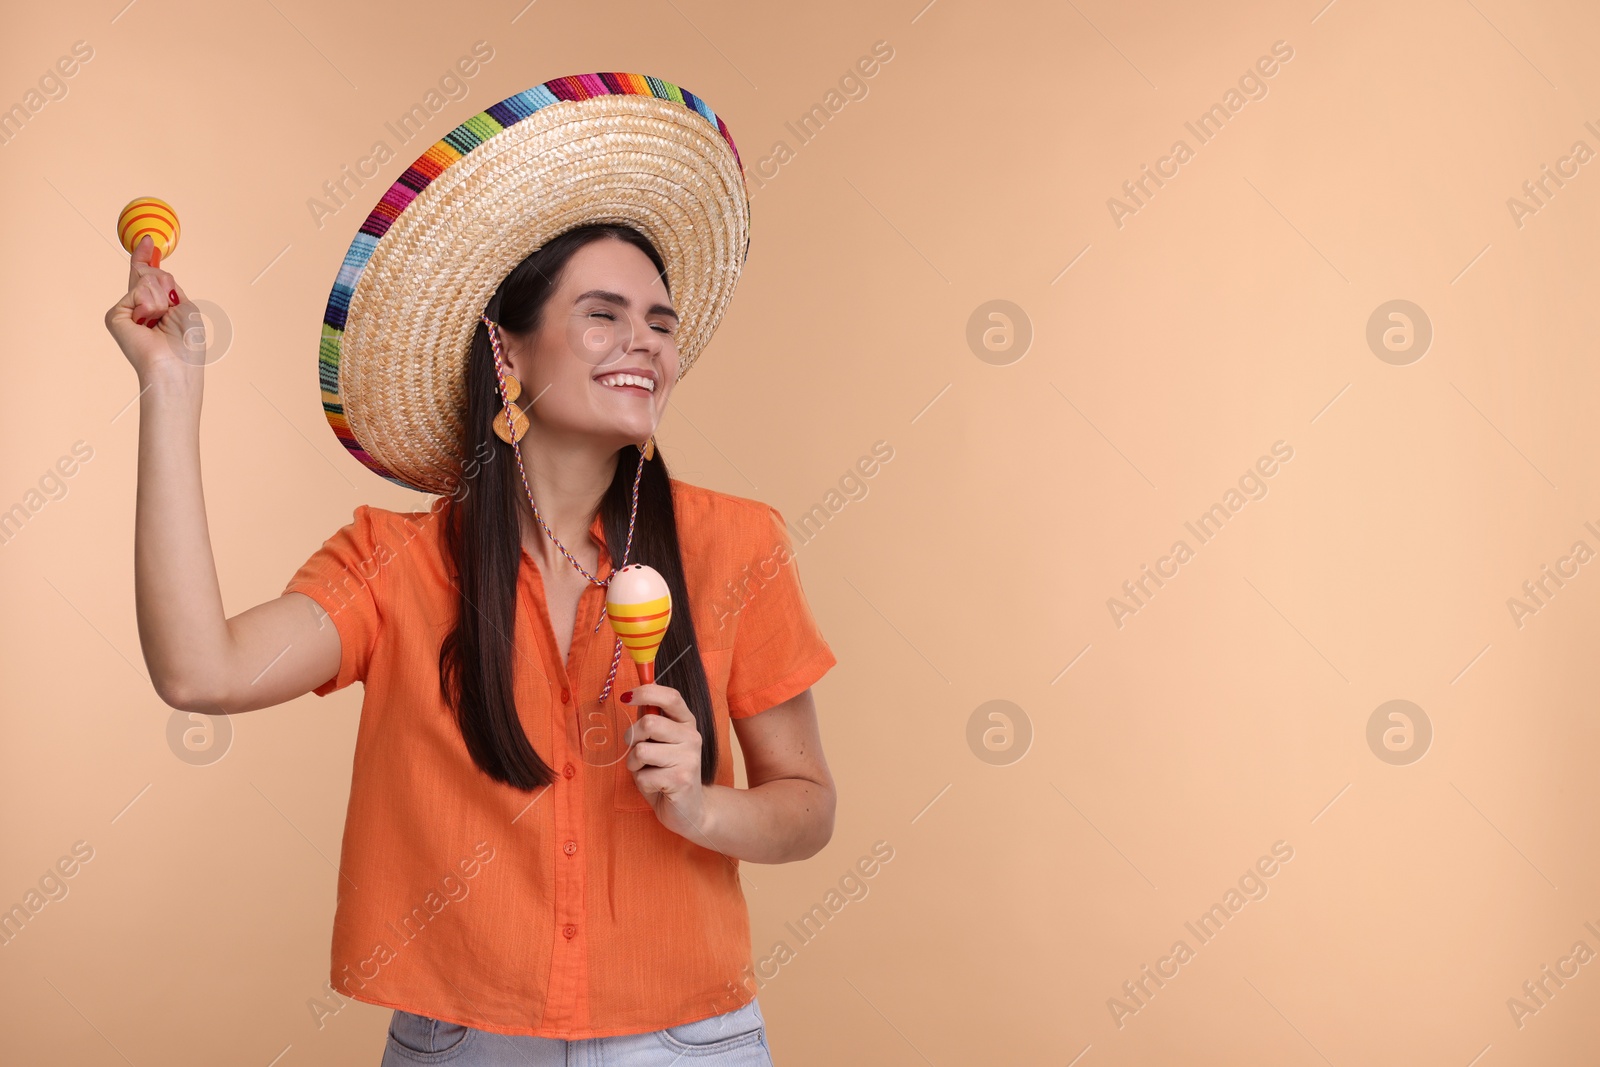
(607, 315)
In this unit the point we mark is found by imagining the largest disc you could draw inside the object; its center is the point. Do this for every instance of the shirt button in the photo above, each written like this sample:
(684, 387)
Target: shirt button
(570, 931)
(570, 847)
(566, 696)
(568, 770)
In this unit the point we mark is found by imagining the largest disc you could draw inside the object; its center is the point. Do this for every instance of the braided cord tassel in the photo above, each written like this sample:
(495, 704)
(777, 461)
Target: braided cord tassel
(633, 508)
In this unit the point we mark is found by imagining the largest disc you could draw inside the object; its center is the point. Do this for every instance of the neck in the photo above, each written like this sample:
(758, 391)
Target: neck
(569, 477)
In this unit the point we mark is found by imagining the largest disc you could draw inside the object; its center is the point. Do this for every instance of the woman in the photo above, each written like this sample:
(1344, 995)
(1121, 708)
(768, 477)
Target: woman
(525, 866)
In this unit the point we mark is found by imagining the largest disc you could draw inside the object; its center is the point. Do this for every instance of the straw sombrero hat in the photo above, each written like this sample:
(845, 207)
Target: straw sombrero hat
(588, 148)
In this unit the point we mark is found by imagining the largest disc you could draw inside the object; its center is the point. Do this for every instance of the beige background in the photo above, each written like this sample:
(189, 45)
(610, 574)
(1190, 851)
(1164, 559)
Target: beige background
(1228, 313)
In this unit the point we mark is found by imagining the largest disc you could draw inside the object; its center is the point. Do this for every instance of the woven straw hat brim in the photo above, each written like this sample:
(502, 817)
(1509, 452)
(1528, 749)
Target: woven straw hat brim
(396, 339)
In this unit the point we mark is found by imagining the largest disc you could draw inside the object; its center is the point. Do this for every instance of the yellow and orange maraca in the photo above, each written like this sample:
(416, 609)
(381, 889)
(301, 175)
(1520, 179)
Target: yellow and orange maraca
(149, 215)
(639, 606)
(154, 216)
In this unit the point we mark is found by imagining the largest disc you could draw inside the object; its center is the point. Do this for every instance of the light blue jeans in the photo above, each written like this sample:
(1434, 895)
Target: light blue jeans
(733, 1039)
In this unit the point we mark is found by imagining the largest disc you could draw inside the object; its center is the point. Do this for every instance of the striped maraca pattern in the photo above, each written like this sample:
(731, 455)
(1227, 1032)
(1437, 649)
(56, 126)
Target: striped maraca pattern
(149, 215)
(641, 626)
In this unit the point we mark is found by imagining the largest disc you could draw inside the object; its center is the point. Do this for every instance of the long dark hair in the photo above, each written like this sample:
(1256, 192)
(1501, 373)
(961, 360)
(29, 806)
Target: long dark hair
(483, 541)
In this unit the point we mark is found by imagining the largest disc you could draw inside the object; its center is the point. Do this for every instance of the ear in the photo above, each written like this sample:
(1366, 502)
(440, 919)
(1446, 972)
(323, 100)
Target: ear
(514, 355)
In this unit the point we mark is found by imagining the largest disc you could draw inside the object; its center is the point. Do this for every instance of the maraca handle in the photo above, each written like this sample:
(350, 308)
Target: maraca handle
(647, 676)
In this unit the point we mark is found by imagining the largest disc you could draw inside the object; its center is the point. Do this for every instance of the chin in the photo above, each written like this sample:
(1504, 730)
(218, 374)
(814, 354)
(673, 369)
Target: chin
(632, 437)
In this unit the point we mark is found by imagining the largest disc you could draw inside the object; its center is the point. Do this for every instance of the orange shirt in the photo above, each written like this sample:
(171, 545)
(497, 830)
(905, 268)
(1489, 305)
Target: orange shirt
(568, 911)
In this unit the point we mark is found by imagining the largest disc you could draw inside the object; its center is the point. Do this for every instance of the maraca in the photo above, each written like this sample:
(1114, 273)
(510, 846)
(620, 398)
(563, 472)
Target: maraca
(640, 607)
(149, 215)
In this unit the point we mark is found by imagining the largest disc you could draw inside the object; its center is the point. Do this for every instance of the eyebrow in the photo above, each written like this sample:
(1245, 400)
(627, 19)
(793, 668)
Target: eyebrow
(617, 298)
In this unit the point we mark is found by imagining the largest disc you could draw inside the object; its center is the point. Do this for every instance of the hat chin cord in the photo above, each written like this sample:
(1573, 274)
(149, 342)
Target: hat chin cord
(517, 431)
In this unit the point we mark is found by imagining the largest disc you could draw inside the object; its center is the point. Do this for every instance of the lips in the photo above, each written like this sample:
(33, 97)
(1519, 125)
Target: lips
(629, 381)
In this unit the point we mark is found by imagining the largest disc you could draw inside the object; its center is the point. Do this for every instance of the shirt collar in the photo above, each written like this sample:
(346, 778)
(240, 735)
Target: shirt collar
(597, 534)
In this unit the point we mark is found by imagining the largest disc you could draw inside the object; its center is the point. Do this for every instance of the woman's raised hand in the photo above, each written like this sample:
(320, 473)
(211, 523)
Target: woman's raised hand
(199, 659)
(155, 325)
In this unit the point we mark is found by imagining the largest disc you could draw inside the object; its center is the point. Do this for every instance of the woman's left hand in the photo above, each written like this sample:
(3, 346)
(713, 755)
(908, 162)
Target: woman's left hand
(664, 758)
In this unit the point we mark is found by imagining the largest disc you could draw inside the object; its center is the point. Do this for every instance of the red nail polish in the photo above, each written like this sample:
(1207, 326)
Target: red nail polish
(172, 296)
(139, 321)
(627, 698)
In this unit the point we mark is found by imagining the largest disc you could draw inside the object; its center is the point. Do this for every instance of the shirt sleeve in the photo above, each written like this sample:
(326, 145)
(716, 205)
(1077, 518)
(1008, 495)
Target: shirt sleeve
(343, 576)
(778, 651)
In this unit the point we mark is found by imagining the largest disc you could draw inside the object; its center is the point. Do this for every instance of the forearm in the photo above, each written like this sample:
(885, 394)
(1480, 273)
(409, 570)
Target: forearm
(779, 821)
(182, 628)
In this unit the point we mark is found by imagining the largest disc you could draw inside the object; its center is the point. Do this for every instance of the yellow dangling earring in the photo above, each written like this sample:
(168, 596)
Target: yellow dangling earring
(519, 418)
(649, 448)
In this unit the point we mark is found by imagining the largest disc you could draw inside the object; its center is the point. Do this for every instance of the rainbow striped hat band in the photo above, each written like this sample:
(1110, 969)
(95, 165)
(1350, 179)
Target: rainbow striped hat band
(582, 149)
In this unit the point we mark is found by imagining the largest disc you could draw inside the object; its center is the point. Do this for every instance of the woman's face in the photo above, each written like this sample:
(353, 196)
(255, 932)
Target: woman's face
(609, 315)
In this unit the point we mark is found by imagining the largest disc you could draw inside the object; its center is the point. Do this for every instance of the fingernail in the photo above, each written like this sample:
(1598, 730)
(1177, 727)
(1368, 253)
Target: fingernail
(139, 321)
(172, 296)
(627, 698)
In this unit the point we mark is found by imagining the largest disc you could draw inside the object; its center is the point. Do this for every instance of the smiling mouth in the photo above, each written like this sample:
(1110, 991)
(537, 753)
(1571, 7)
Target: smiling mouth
(628, 383)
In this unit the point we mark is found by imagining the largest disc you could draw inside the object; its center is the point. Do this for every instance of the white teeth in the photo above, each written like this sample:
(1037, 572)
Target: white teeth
(628, 379)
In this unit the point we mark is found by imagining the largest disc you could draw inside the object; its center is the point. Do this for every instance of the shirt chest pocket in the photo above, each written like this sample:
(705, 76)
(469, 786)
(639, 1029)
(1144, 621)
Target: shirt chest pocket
(717, 662)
